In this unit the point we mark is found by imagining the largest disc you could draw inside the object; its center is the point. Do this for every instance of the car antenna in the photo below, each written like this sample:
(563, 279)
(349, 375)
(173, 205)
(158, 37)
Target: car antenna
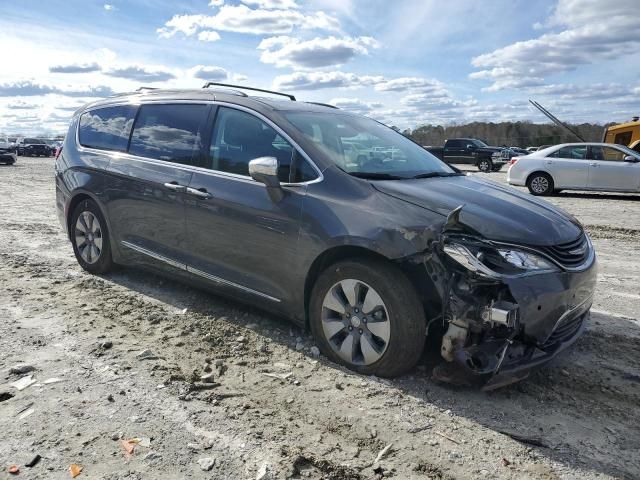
(227, 85)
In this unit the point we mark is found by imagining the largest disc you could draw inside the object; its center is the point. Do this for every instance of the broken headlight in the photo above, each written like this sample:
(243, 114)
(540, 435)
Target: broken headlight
(495, 262)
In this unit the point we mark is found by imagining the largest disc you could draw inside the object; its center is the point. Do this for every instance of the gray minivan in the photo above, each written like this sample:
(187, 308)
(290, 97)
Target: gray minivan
(253, 197)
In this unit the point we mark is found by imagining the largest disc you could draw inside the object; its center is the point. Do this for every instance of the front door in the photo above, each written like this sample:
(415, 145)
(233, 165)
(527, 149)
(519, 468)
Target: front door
(240, 237)
(569, 166)
(609, 171)
(148, 184)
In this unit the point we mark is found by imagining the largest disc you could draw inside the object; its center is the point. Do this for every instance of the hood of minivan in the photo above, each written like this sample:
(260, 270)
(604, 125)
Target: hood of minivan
(495, 211)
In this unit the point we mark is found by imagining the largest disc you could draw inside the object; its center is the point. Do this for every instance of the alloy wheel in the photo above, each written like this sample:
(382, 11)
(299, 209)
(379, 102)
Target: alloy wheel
(88, 237)
(484, 166)
(539, 184)
(355, 322)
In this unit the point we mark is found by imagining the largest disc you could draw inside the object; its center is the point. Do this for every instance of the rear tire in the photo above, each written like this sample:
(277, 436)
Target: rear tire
(90, 238)
(485, 165)
(377, 323)
(540, 184)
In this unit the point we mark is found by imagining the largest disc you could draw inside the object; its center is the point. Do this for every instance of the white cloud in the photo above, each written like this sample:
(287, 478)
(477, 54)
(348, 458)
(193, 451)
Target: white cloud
(141, 73)
(210, 73)
(216, 3)
(284, 51)
(108, 7)
(76, 68)
(356, 105)
(272, 4)
(320, 80)
(590, 32)
(208, 36)
(242, 19)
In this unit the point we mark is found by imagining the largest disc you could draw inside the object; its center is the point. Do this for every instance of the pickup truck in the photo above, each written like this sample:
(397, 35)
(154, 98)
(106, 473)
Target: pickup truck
(33, 147)
(470, 151)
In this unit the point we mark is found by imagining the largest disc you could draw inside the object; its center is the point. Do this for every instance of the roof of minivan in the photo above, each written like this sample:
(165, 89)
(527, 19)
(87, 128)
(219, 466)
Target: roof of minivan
(210, 94)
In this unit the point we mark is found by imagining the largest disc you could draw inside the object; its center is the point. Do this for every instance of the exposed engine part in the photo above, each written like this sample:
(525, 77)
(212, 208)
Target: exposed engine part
(453, 339)
(501, 313)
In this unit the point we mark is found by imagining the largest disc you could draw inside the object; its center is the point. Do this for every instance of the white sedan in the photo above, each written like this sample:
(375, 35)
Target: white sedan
(577, 166)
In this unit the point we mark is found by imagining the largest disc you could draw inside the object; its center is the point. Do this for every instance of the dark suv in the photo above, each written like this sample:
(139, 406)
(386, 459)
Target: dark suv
(256, 198)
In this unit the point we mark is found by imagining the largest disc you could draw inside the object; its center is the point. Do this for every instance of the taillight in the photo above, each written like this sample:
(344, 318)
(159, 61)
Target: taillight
(513, 160)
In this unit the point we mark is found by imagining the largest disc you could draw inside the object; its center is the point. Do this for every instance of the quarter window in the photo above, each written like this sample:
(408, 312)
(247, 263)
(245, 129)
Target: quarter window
(240, 137)
(107, 128)
(170, 132)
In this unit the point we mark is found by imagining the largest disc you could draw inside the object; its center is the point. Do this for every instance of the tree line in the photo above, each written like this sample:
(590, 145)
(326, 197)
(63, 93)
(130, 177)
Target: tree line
(512, 134)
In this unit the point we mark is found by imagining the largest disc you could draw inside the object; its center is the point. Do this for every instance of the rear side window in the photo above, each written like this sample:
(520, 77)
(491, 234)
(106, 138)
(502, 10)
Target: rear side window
(574, 152)
(107, 128)
(170, 132)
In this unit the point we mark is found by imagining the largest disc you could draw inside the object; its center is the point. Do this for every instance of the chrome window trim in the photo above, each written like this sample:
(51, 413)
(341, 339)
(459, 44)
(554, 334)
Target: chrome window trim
(195, 271)
(116, 154)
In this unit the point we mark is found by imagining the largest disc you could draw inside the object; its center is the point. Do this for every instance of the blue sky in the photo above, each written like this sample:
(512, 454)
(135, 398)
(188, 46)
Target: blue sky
(407, 62)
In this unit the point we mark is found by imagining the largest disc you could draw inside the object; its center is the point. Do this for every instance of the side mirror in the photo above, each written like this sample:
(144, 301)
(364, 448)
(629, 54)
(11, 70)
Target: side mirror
(631, 159)
(265, 170)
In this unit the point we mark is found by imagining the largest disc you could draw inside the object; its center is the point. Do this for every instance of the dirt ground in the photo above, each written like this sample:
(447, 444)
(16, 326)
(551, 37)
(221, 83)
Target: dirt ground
(120, 357)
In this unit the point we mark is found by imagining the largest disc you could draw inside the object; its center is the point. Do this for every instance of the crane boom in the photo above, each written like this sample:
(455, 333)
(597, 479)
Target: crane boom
(555, 120)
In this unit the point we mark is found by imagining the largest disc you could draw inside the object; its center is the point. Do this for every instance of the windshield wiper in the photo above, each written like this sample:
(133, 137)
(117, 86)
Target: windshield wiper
(438, 174)
(376, 176)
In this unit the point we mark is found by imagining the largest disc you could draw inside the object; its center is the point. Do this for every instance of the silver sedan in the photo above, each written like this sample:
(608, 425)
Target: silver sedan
(577, 166)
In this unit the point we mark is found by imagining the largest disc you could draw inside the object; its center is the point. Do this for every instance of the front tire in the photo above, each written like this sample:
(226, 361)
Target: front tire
(485, 165)
(90, 238)
(366, 315)
(540, 184)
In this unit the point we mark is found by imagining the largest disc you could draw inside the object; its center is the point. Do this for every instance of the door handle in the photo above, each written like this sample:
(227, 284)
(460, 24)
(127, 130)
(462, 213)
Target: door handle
(593, 164)
(175, 186)
(199, 192)
(549, 162)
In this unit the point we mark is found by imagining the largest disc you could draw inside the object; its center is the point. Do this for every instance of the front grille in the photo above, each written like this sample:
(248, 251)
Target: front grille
(564, 330)
(572, 254)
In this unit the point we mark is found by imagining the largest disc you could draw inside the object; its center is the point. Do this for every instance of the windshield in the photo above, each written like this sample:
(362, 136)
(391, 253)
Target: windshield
(479, 143)
(365, 148)
(33, 141)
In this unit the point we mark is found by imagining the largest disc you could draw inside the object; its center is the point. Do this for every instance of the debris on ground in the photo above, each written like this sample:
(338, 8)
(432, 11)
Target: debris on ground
(206, 463)
(383, 453)
(146, 355)
(129, 446)
(4, 396)
(264, 472)
(21, 369)
(281, 376)
(75, 470)
(33, 462)
(13, 469)
(23, 382)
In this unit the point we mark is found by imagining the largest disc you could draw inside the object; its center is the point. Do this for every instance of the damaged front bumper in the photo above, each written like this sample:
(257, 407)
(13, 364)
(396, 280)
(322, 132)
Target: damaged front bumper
(498, 329)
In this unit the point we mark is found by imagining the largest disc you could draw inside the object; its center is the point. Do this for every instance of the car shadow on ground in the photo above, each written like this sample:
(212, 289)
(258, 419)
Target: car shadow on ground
(582, 407)
(599, 196)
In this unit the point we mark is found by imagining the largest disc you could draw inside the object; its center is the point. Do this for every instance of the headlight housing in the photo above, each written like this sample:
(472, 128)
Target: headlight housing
(497, 261)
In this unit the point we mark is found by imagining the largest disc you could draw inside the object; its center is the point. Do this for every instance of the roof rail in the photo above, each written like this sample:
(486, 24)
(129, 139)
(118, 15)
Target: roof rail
(324, 105)
(216, 84)
(140, 89)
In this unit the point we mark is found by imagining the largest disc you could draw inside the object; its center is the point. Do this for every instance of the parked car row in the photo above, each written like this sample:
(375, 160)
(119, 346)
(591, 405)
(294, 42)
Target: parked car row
(31, 147)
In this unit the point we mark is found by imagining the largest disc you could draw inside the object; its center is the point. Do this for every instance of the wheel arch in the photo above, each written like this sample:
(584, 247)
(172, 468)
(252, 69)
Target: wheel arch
(415, 272)
(76, 198)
